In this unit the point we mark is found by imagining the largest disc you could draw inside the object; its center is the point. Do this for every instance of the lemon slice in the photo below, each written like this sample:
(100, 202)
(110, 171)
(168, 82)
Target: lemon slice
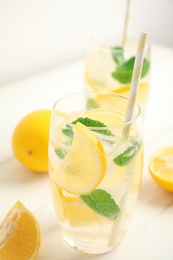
(98, 77)
(57, 200)
(84, 165)
(161, 167)
(99, 67)
(79, 214)
(19, 235)
(108, 117)
(110, 101)
(98, 73)
(72, 209)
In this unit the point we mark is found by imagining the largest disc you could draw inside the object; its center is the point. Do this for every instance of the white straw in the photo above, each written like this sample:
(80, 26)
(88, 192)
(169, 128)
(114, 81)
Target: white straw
(129, 115)
(135, 81)
(126, 23)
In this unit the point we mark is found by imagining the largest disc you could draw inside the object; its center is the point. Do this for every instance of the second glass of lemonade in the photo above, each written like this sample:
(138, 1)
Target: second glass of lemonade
(95, 169)
(109, 67)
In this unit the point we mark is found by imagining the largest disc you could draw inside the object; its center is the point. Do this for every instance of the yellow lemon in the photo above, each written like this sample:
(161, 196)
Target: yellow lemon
(19, 235)
(30, 140)
(161, 167)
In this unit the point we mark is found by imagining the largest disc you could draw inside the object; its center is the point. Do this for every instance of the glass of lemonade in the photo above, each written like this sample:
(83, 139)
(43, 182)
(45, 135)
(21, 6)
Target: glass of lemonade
(95, 169)
(109, 67)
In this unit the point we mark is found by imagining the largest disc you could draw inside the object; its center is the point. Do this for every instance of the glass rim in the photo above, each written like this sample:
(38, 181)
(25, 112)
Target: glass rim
(100, 92)
(105, 43)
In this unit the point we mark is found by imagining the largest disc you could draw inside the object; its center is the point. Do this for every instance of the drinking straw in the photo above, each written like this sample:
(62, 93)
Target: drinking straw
(135, 81)
(126, 23)
(130, 110)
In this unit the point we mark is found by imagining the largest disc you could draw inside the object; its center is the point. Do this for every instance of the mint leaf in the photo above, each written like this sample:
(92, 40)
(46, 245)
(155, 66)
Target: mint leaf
(125, 157)
(93, 123)
(91, 104)
(101, 202)
(60, 152)
(117, 54)
(89, 122)
(68, 131)
(145, 68)
(123, 73)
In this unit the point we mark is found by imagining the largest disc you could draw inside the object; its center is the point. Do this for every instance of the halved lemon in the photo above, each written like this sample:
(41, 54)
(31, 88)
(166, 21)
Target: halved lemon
(161, 167)
(84, 165)
(19, 235)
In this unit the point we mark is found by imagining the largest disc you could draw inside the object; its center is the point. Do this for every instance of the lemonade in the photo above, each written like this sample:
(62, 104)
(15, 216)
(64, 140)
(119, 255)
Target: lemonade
(95, 172)
(109, 67)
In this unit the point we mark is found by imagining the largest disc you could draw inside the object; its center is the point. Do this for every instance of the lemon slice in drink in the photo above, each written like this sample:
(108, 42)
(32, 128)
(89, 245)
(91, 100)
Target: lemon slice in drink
(99, 68)
(19, 235)
(57, 201)
(72, 209)
(161, 167)
(108, 117)
(84, 165)
(110, 101)
(98, 77)
(79, 214)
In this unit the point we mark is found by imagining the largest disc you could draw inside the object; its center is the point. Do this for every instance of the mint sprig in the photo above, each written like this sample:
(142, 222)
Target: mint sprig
(68, 130)
(124, 158)
(60, 152)
(91, 103)
(102, 203)
(117, 54)
(93, 123)
(123, 72)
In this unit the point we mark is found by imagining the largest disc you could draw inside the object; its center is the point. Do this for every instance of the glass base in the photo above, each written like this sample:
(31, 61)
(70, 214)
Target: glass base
(88, 250)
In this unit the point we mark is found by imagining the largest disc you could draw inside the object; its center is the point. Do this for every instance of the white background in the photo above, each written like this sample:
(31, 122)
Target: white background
(36, 35)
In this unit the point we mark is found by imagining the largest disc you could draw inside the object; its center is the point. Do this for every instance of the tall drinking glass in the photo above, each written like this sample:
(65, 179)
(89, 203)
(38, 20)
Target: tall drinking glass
(95, 169)
(109, 67)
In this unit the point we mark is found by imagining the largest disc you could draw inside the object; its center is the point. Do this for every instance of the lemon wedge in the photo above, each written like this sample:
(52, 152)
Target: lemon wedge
(161, 167)
(84, 165)
(19, 235)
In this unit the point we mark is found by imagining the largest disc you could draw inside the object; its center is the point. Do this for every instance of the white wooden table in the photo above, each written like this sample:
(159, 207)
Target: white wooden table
(150, 235)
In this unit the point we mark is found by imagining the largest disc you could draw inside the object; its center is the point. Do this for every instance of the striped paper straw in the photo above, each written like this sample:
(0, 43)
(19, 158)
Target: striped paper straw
(126, 23)
(135, 81)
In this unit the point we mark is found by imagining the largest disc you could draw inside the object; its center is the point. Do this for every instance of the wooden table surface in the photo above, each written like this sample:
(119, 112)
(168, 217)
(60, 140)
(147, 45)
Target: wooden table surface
(150, 235)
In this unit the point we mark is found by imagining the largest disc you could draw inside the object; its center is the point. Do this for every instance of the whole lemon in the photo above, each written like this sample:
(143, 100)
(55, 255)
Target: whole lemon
(30, 140)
